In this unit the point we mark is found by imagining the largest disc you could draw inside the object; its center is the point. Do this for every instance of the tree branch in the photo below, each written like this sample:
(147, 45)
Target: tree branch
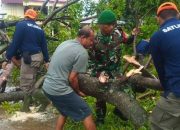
(84, 19)
(148, 62)
(56, 11)
(44, 5)
(54, 5)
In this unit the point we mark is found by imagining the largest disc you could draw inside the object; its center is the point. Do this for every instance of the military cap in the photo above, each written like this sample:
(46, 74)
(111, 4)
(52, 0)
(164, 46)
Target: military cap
(106, 17)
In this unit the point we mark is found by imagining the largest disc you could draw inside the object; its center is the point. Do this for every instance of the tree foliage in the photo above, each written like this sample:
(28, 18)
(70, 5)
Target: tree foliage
(135, 13)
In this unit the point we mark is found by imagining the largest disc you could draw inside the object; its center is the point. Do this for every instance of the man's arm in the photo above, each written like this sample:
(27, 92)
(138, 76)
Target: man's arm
(73, 80)
(129, 39)
(80, 66)
(16, 42)
(44, 48)
(16, 62)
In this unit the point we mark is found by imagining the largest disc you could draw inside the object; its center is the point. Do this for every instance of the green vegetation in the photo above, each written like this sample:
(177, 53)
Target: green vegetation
(135, 13)
(11, 107)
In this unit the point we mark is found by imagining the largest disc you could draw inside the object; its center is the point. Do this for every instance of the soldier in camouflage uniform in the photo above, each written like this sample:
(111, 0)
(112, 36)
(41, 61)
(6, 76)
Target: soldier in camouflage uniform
(105, 55)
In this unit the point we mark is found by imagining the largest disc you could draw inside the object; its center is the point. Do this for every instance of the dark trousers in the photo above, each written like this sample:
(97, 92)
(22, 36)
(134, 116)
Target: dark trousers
(100, 109)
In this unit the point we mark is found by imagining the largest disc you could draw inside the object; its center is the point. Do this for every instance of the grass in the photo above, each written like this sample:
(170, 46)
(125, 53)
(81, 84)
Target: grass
(11, 107)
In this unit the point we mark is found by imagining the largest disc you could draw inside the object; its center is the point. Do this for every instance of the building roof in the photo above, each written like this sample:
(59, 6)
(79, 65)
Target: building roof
(21, 1)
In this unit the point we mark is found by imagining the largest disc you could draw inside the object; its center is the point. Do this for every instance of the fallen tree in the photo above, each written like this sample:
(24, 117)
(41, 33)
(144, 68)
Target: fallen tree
(110, 92)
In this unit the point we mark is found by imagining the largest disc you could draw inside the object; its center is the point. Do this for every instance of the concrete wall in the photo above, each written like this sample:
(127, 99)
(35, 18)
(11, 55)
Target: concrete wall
(13, 9)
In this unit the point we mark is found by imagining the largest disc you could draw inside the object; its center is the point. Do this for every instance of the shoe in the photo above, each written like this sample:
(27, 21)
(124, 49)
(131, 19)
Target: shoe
(118, 113)
(41, 99)
(26, 104)
(25, 109)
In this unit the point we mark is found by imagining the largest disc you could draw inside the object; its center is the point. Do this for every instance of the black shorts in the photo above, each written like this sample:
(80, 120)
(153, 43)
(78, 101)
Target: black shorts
(71, 105)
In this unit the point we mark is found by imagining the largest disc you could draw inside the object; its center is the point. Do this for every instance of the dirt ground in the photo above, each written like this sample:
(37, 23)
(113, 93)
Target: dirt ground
(27, 121)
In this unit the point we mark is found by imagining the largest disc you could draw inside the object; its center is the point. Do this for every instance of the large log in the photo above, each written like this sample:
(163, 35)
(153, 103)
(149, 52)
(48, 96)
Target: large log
(109, 92)
(13, 96)
(19, 95)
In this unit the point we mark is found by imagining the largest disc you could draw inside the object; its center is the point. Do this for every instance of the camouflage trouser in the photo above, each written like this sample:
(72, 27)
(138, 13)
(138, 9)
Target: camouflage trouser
(100, 109)
(29, 71)
(166, 115)
(101, 104)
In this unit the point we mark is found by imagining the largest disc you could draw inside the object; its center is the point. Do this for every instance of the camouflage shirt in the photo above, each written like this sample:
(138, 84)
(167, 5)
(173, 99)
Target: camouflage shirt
(105, 54)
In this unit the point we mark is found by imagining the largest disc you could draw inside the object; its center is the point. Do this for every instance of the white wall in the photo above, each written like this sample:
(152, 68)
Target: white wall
(1, 11)
(13, 9)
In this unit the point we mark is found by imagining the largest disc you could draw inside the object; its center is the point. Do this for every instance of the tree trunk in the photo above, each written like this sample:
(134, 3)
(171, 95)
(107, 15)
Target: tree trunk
(13, 96)
(109, 92)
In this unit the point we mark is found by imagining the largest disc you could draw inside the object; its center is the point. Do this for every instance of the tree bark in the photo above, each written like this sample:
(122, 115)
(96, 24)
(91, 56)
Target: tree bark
(151, 83)
(109, 92)
(13, 96)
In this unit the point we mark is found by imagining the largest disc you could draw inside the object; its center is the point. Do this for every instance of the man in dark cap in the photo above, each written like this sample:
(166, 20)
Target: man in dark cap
(29, 40)
(164, 48)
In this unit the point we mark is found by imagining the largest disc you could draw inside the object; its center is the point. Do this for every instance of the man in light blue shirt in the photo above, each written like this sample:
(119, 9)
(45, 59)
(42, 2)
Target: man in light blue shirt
(61, 82)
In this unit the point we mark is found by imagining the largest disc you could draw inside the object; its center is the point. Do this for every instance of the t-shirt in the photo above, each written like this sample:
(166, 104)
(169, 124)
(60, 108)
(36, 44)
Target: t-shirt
(165, 51)
(69, 56)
